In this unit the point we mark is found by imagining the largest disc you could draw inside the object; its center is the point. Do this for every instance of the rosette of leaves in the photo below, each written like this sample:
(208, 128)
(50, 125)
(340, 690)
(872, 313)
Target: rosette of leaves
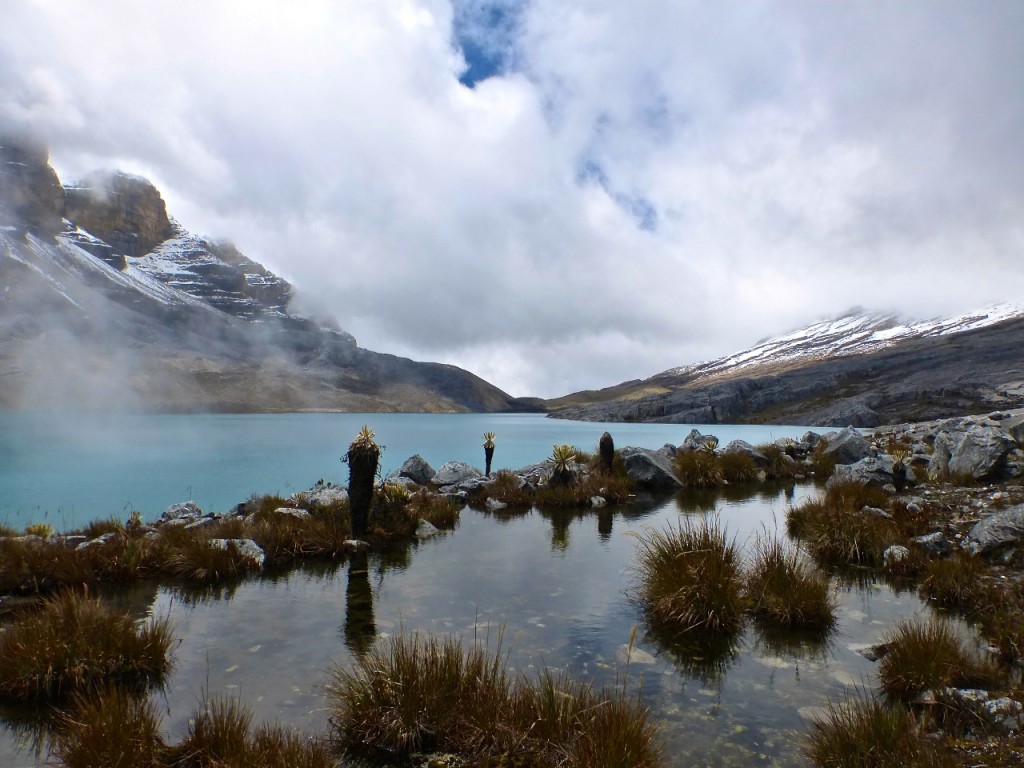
(899, 457)
(562, 457)
(710, 445)
(488, 451)
(362, 458)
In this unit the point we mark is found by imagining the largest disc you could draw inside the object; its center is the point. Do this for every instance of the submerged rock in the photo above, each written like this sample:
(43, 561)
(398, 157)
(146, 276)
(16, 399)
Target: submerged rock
(426, 529)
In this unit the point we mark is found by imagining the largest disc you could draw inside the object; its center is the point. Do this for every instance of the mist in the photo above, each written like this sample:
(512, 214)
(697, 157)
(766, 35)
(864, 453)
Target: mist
(615, 190)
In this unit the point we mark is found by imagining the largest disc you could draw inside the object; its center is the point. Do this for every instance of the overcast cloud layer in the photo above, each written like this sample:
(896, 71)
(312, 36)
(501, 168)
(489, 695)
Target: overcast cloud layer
(638, 186)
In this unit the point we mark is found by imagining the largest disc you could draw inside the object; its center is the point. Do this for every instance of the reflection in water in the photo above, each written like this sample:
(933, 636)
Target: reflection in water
(360, 628)
(702, 656)
(604, 523)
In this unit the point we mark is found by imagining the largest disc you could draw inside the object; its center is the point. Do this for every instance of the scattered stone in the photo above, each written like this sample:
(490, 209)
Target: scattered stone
(72, 542)
(897, 553)
(246, 547)
(426, 529)
(598, 501)
(299, 514)
(493, 505)
(874, 471)
(417, 469)
(203, 522)
(184, 509)
(97, 542)
(695, 441)
(935, 544)
(455, 473)
(323, 495)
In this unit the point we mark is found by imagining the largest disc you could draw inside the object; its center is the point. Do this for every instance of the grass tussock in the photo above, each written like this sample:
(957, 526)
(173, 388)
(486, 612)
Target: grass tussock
(953, 583)
(738, 469)
(73, 644)
(699, 469)
(838, 530)
(118, 730)
(930, 656)
(866, 733)
(431, 695)
(114, 729)
(786, 590)
(196, 559)
(780, 465)
(689, 578)
(437, 510)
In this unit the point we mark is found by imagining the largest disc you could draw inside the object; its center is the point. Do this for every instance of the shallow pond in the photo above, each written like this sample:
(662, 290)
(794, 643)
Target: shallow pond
(556, 585)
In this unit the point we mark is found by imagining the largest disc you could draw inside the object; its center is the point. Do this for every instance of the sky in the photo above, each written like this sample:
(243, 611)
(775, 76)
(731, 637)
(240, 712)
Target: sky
(558, 195)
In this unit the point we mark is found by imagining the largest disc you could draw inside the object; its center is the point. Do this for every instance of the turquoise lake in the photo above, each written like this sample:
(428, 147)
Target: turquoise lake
(70, 469)
(556, 583)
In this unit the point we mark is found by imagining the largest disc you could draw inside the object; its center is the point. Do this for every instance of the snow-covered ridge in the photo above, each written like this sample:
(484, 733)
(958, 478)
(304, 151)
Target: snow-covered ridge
(853, 333)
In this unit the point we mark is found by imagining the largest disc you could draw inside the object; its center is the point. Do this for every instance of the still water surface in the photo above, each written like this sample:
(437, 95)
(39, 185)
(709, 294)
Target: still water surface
(68, 470)
(555, 583)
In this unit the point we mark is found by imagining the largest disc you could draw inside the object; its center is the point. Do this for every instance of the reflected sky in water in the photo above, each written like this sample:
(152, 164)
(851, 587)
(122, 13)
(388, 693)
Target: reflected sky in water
(555, 585)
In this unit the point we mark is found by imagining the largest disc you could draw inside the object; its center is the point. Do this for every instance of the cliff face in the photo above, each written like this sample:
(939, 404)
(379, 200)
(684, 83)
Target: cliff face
(126, 212)
(30, 192)
(107, 303)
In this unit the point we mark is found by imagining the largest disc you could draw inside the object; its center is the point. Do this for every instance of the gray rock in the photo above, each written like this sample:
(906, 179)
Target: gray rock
(248, 548)
(403, 482)
(300, 514)
(695, 440)
(182, 510)
(935, 544)
(668, 450)
(649, 469)
(874, 470)
(71, 542)
(998, 530)
(942, 449)
(743, 448)
(203, 522)
(493, 505)
(322, 494)
(97, 542)
(897, 553)
(598, 501)
(848, 447)
(416, 469)
(425, 530)
(811, 439)
(455, 473)
(981, 452)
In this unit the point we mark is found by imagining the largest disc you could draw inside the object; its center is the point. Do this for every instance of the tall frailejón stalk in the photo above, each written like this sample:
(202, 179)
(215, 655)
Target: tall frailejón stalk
(488, 451)
(606, 451)
(362, 457)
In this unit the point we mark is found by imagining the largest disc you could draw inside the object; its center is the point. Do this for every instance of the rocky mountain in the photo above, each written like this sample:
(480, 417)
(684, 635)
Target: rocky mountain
(860, 369)
(107, 303)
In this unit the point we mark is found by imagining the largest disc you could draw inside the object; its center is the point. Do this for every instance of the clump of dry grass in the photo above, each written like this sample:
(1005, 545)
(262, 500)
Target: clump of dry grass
(930, 656)
(738, 468)
(838, 530)
(953, 582)
(866, 733)
(436, 510)
(688, 578)
(74, 643)
(114, 729)
(786, 590)
(431, 695)
(699, 469)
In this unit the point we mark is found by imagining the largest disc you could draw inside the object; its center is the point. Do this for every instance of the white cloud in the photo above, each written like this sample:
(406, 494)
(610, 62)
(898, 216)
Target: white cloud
(647, 184)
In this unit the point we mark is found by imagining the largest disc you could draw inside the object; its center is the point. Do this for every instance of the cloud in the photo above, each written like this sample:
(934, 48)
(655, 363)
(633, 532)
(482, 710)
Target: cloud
(623, 189)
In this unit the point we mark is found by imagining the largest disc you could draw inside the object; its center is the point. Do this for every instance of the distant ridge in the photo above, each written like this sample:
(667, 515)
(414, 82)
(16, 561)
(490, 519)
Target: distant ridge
(861, 368)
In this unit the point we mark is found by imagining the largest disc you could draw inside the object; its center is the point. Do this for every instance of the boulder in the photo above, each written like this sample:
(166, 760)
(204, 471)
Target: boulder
(493, 505)
(943, 445)
(99, 541)
(248, 548)
(1001, 529)
(848, 447)
(811, 439)
(874, 471)
(668, 451)
(743, 448)
(455, 473)
(416, 469)
(322, 494)
(598, 501)
(897, 553)
(695, 440)
(649, 469)
(298, 514)
(981, 452)
(181, 511)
